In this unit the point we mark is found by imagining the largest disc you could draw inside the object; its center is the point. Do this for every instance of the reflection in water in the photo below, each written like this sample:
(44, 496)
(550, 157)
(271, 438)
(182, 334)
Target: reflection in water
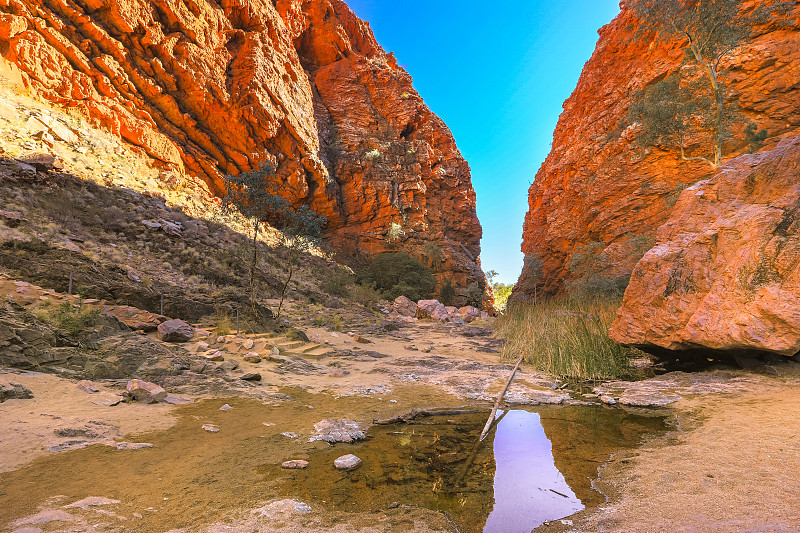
(528, 488)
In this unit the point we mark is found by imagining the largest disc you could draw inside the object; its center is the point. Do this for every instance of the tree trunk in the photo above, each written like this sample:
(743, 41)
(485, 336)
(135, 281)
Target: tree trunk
(253, 267)
(285, 286)
(719, 100)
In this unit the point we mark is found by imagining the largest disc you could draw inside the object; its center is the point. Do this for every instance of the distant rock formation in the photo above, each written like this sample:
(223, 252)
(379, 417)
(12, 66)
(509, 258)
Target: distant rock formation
(222, 87)
(599, 195)
(725, 271)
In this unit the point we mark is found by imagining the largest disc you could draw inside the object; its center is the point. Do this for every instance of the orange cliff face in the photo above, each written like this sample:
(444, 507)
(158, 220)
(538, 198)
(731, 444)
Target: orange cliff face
(597, 191)
(214, 88)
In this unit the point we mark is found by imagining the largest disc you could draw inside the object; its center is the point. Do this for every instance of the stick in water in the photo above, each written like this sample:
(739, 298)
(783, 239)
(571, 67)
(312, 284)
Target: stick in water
(500, 399)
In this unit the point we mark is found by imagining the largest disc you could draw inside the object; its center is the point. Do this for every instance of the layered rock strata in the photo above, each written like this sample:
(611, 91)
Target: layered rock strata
(597, 200)
(217, 88)
(725, 271)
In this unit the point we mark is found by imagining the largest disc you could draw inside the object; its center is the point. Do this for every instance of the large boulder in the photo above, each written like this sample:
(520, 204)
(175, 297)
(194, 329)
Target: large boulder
(175, 331)
(404, 306)
(725, 271)
(433, 309)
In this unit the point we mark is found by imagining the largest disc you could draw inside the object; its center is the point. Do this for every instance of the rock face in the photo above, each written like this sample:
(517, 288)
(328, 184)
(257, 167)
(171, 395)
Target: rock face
(600, 196)
(218, 88)
(725, 271)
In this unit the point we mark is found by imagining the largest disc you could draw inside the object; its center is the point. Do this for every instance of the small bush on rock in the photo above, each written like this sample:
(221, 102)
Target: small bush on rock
(397, 273)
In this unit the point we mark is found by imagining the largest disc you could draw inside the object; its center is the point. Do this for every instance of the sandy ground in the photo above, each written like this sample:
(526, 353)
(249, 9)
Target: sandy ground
(732, 466)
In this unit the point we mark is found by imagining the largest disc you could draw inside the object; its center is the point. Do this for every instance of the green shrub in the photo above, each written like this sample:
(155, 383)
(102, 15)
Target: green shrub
(567, 338)
(74, 320)
(397, 273)
(447, 294)
(337, 283)
(475, 295)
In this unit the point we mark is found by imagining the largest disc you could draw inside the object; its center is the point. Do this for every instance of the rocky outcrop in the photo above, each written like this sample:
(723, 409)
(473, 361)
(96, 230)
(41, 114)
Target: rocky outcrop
(725, 271)
(218, 88)
(598, 199)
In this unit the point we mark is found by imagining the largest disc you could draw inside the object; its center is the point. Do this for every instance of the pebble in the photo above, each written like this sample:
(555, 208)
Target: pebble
(347, 462)
(290, 435)
(211, 428)
(608, 399)
(295, 464)
(251, 376)
(225, 407)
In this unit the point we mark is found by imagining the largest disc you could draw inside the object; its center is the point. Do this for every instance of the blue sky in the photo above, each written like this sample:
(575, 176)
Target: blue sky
(497, 74)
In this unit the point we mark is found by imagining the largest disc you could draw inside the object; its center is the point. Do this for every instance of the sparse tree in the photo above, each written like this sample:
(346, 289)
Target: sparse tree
(254, 195)
(692, 101)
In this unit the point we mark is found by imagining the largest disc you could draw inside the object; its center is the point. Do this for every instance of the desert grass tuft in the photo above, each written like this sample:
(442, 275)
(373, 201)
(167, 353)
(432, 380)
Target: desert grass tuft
(566, 337)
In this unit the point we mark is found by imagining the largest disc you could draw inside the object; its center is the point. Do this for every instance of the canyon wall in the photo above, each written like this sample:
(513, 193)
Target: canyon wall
(209, 88)
(598, 199)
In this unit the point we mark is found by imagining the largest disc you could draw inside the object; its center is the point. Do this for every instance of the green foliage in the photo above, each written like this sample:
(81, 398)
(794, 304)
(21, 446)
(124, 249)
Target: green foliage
(501, 292)
(337, 283)
(74, 320)
(255, 195)
(566, 338)
(447, 294)
(434, 253)
(590, 266)
(475, 294)
(755, 138)
(396, 273)
(692, 103)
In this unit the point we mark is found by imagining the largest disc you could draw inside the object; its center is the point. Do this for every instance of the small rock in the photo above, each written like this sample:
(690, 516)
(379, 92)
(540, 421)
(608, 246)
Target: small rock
(107, 399)
(40, 161)
(146, 392)
(211, 428)
(251, 376)
(296, 464)
(175, 331)
(290, 435)
(347, 462)
(608, 400)
(214, 355)
(87, 386)
(92, 501)
(252, 357)
(334, 334)
(177, 400)
(133, 445)
(229, 365)
(362, 340)
(225, 407)
(14, 391)
(248, 344)
(281, 508)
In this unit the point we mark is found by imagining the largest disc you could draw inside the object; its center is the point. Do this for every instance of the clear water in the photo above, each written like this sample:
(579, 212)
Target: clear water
(534, 466)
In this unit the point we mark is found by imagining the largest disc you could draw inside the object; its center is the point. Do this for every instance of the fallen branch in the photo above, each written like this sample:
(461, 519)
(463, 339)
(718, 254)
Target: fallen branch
(415, 413)
(500, 399)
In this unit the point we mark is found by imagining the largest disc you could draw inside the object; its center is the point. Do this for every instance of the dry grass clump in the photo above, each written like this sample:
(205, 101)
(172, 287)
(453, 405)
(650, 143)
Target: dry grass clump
(566, 337)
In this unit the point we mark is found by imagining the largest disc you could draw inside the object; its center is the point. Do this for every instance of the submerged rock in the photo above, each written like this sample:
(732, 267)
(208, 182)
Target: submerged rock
(295, 464)
(347, 462)
(338, 430)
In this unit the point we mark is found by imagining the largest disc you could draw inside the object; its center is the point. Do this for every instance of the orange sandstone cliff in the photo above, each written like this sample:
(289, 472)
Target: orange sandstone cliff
(598, 200)
(725, 271)
(211, 88)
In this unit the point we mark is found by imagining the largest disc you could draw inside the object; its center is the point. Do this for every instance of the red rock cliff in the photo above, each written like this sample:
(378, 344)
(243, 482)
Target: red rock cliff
(596, 191)
(220, 87)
